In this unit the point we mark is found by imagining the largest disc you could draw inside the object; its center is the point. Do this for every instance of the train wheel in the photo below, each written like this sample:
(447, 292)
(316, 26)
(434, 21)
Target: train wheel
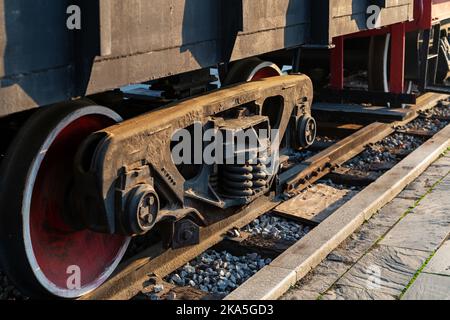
(38, 250)
(252, 69)
(378, 73)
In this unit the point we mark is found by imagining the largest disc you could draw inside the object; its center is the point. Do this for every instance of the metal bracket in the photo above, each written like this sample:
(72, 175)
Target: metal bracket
(186, 233)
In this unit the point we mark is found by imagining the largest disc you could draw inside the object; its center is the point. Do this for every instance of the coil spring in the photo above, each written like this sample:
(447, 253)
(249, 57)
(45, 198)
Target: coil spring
(214, 179)
(244, 180)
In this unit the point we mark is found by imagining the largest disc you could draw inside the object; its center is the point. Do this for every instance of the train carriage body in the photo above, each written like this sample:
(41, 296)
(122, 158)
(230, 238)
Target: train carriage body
(132, 41)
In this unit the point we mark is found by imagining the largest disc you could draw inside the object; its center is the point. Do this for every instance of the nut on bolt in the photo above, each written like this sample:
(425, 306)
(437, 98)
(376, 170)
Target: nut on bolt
(186, 233)
(142, 208)
(306, 131)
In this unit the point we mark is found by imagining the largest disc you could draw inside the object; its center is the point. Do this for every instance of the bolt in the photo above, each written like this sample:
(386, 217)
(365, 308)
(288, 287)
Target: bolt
(142, 207)
(187, 234)
(150, 219)
(144, 211)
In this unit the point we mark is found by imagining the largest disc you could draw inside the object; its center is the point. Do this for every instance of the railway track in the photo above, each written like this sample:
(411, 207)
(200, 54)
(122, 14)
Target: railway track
(240, 238)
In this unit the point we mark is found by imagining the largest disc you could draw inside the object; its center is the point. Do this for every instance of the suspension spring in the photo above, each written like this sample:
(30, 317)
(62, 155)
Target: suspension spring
(239, 181)
(214, 179)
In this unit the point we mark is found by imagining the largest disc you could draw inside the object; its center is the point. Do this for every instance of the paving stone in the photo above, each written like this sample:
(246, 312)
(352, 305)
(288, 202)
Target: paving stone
(411, 194)
(427, 226)
(439, 168)
(418, 188)
(322, 277)
(350, 251)
(331, 269)
(429, 287)
(440, 263)
(375, 230)
(301, 295)
(386, 269)
(443, 161)
(342, 292)
(421, 185)
(371, 231)
(419, 232)
(444, 187)
(391, 213)
(428, 179)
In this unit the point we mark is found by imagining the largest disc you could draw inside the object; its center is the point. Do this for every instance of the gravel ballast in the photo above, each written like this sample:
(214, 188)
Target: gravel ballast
(270, 226)
(218, 272)
(426, 124)
(221, 272)
(385, 151)
(442, 110)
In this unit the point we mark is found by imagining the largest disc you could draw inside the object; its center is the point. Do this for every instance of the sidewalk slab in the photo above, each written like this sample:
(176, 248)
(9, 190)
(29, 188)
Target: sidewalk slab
(349, 252)
(342, 292)
(428, 179)
(386, 270)
(318, 281)
(301, 295)
(427, 226)
(429, 287)
(321, 279)
(440, 263)
(391, 213)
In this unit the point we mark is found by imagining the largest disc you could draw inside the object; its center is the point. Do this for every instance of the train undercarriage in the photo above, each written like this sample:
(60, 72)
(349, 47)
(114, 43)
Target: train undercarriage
(81, 179)
(88, 185)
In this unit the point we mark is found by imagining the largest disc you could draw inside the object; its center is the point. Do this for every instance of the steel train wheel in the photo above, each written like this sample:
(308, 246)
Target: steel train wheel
(378, 73)
(252, 69)
(39, 251)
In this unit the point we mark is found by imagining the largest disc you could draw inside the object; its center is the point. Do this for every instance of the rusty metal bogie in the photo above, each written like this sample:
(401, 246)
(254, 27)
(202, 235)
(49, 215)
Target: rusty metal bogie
(143, 145)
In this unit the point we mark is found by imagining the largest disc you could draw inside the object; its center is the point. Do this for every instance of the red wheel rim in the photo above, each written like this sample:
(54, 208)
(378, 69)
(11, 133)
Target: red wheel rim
(67, 263)
(252, 69)
(266, 72)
